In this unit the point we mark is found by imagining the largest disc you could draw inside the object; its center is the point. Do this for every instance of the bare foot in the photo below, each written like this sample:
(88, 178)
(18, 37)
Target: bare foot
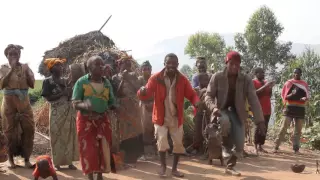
(99, 176)
(90, 176)
(57, 168)
(275, 151)
(12, 164)
(176, 173)
(27, 164)
(72, 167)
(262, 150)
(162, 172)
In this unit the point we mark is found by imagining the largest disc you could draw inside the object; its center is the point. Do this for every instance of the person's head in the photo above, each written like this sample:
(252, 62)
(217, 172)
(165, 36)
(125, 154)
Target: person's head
(125, 63)
(13, 52)
(95, 66)
(297, 72)
(204, 79)
(146, 68)
(201, 64)
(171, 64)
(44, 169)
(55, 65)
(233, 61)
(259, 73)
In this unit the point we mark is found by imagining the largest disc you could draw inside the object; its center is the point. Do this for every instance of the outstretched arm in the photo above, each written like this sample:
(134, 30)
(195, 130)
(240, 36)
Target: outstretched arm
(146, 92)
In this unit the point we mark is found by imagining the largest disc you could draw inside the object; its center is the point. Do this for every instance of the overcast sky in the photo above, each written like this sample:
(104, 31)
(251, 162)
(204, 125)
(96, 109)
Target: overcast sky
(39, 25)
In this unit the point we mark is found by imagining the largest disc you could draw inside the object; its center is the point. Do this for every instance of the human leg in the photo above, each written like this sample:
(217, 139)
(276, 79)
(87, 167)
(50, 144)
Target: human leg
(8, 113)
(259, 139)
(28, 129)
(227, 143)
(161, 134)
(176, 134)
(285, 124)
(297, 134)
(263, 138)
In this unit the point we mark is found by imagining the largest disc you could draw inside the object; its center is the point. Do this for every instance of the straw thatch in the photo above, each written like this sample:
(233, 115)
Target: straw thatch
(78, 48)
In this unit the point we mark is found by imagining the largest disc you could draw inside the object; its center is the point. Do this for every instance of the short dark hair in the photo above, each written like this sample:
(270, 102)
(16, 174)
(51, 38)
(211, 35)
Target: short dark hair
(172, 55)
(256, 70)
(298, 69)
(200, 58)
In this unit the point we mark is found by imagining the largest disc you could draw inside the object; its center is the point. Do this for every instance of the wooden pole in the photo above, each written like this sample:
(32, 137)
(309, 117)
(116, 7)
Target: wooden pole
(105, 23)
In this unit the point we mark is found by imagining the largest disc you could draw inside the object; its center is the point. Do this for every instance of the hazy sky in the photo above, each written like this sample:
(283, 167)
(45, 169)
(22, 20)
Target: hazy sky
(39, 25)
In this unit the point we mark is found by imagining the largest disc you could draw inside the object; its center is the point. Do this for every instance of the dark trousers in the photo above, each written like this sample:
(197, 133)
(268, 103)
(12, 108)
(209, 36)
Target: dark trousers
(258, 138)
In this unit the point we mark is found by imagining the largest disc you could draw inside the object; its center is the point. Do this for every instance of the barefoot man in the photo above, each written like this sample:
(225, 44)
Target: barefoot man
(169, 88)
(226, 98)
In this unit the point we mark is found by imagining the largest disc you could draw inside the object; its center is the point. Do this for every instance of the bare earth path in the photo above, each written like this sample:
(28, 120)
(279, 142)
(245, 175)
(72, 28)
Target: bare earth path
(266, 166)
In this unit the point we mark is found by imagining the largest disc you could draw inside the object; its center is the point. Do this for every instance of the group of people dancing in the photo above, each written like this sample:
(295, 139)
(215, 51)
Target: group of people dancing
(147, 110)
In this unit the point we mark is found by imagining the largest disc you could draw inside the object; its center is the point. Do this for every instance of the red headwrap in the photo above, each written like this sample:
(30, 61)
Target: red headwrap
(233, 55)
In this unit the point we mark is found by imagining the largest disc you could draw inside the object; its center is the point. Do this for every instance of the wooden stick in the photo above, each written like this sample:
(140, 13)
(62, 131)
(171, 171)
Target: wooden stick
(43, 136)
(105, 23)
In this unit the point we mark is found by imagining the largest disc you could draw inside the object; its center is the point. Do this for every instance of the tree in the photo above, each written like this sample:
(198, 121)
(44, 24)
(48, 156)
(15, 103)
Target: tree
(209, 45)
(259, 44)
(187, 71)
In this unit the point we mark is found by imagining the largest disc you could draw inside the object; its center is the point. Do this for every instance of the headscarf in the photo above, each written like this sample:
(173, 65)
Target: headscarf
(50, 62)
(10, 47)
(233, 55)
(146, 63)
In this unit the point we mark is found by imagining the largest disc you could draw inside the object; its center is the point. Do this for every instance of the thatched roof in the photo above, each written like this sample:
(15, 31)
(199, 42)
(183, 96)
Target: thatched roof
(81, 47)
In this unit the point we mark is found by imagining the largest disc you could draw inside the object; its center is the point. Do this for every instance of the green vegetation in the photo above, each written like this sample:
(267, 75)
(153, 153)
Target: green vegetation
(34, 94)
(260, 47)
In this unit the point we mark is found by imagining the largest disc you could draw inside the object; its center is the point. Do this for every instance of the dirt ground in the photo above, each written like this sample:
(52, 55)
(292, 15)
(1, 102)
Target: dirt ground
(266, 166)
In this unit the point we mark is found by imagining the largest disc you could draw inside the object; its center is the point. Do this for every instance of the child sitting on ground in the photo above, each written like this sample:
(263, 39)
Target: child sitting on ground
(44, 168)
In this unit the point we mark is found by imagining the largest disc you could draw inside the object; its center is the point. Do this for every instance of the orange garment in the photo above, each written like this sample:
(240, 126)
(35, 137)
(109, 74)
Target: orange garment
(50, 62)
(156, 87)
(36, 172)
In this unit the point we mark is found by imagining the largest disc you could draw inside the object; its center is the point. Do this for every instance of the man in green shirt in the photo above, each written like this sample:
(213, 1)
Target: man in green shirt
(92, 97)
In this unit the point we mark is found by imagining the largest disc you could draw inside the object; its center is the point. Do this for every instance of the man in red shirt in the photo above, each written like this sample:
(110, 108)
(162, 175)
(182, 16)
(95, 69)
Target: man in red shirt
(169, 88)
(264, 92)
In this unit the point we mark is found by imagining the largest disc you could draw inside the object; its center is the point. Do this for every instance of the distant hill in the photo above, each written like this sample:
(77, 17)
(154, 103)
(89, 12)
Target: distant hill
(177, 44)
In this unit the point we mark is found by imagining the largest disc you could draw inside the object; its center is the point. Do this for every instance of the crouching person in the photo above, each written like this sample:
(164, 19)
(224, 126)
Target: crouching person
(226, 98)
(169, 88)
(92, 96)
(44, 168)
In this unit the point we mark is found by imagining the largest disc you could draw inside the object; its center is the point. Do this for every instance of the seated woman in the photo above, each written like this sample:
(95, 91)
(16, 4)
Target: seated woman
(92, 97)
(63, 137)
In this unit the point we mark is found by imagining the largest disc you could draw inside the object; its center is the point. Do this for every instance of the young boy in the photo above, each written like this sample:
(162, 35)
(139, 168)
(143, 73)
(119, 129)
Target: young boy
(44, 168)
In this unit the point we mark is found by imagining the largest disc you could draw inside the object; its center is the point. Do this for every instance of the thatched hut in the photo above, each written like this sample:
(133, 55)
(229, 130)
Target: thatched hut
(76, 50)
(81, 47)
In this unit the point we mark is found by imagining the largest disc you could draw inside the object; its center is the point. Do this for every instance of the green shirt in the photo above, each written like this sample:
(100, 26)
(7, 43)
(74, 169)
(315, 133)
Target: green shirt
(83, 90)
